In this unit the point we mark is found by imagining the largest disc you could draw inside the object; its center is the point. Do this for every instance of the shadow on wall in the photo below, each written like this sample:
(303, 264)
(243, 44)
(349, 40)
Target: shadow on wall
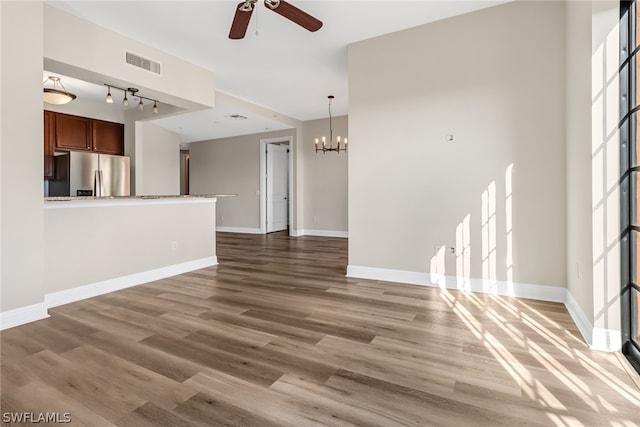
(605, 185)
(488, 213)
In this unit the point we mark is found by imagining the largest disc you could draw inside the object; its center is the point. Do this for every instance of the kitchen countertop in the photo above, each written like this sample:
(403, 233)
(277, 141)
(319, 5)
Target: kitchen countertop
(93, 202)
(86, 198)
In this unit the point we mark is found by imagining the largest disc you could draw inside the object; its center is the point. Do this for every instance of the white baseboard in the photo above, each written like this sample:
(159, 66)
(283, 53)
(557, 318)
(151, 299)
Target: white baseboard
(22, 315)
(292, 233)
(245, 230)
(389, 275)
(88, 291)
(497, 287)
(582, 322)
(606, 340)
(596, 338)
(323, 233)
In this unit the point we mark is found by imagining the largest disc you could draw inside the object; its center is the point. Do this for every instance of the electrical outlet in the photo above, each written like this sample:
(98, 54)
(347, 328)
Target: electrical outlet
(315, 219)
(174, 245)
(221, 218)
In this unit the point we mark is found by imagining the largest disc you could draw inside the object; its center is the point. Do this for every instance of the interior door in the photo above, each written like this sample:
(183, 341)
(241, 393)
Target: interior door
(277, 187)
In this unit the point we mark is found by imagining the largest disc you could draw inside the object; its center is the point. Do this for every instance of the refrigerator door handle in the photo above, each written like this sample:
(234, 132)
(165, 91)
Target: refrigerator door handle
(97, 184)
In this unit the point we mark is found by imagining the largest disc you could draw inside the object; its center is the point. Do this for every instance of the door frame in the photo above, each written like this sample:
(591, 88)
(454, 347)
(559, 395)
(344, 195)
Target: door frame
(263, 181)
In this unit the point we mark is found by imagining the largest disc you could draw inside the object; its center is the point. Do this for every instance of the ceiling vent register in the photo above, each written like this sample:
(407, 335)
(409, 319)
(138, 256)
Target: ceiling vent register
(144, 63)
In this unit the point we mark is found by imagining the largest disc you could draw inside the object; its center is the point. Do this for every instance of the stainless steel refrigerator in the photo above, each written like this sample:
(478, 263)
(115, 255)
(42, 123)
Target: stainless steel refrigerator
(90, 174)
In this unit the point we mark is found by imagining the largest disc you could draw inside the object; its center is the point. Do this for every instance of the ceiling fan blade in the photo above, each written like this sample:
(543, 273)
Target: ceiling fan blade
(240, 21)
(294, 14)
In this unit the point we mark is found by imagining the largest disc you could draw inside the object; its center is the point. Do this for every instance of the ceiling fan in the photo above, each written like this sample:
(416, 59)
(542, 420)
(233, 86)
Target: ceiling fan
(281, 7)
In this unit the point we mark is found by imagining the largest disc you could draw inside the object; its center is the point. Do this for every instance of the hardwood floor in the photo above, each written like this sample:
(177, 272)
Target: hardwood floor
(276, 335)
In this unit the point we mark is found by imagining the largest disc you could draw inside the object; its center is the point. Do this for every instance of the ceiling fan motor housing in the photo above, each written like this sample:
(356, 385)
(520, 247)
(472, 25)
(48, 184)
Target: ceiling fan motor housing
(272, 4)
(244, 10)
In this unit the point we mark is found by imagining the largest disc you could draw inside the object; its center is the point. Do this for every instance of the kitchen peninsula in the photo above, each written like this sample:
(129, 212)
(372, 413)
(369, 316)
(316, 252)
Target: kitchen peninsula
(95, 245)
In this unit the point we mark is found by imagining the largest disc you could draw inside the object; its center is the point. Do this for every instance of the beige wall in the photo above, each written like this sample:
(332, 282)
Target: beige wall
(21, 139)
(592, 146)
(231, 166)
(124, 240)
(578, 148)
(605, 169)
(157, 160)
(325, 179)
(495, 80)
(133, 115)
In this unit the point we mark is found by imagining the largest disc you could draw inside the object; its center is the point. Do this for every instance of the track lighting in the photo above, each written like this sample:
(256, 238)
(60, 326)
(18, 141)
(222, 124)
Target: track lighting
(57, 95)
(134, 93)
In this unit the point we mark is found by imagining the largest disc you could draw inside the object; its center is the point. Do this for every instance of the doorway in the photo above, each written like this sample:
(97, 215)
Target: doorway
(276, 188)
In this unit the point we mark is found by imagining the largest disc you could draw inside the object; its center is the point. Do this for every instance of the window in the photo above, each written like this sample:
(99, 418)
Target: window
(630, 178)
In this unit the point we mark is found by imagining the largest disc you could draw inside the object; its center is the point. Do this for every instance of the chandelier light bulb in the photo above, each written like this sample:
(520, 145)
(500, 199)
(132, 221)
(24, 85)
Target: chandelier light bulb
(155, 107)
(141, 105)
(125, 101)
(109, 97)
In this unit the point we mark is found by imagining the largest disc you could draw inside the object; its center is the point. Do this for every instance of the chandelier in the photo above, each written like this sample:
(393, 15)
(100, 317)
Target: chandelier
(324, 147)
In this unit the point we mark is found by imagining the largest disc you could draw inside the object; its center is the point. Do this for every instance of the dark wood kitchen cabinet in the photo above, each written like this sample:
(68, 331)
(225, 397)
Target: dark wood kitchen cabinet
(73, 132)
(76, 133)
(107, 137)
(49, 144)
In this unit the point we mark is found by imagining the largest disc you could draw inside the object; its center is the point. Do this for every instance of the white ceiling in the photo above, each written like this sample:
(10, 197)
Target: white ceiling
(284, 68)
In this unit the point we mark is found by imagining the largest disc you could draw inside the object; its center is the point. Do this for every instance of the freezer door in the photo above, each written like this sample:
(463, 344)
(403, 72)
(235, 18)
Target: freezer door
(82, 167)
(115, 175)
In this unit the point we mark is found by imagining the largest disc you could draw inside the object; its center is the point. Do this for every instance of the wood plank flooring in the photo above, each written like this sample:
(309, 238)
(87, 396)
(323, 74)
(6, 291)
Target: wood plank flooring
(276, 335)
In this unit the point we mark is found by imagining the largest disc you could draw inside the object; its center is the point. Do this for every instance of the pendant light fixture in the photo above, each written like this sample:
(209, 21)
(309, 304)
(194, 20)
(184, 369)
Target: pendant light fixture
(109, 97)
(57, 95)
(134, 93)
(324, 147)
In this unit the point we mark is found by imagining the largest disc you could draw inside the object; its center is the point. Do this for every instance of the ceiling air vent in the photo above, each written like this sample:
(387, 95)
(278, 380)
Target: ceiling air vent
(144, 63)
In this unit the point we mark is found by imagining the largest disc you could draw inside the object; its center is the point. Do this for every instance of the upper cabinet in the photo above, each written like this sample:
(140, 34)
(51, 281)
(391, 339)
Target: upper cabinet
(108, 137)
(84, 134)
(73, 132)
